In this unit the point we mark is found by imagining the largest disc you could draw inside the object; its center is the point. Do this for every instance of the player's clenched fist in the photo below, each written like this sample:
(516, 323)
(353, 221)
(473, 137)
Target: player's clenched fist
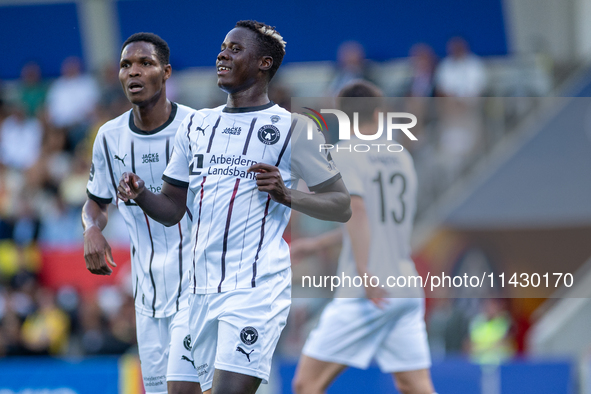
(269, 180)
(130, 186)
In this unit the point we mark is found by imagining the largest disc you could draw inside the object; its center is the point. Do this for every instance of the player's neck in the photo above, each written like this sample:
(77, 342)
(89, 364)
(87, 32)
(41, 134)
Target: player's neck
(251, 97)
(152, 115)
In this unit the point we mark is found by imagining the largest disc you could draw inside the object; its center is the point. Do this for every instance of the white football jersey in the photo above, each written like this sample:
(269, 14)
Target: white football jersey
(387, 182)
(160, 256)
(237, 230)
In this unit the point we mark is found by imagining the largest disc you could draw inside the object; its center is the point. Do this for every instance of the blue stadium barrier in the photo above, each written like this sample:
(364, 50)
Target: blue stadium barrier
(40, 375)
(457, 376)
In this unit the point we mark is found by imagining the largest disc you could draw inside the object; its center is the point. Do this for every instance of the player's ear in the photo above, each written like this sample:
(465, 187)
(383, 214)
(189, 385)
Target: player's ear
(266, 63)
(167, 71)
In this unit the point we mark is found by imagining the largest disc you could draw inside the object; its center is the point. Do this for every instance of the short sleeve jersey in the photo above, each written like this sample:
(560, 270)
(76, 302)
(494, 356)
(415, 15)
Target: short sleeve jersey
(237, 230)
(387, 182)
(160, 255)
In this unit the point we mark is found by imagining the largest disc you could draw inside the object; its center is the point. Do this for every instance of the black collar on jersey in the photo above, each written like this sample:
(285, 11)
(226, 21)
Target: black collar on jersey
(235, 110)
(135, 129)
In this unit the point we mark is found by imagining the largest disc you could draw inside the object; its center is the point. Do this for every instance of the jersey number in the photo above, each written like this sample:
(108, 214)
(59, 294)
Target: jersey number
(393, 179)
(199, 160)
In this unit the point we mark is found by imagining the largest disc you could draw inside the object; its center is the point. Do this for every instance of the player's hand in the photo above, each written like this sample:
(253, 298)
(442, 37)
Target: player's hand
(97, 252)
(377, 295)
(130, 186)
(269, 180)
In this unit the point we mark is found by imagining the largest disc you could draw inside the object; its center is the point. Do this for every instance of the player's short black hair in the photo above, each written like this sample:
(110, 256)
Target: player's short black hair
(162, 49)
(359, 89)
(270, 42)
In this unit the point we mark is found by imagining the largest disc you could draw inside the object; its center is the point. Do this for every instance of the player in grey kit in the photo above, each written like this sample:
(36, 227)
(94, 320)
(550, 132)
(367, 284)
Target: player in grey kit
(362, 324)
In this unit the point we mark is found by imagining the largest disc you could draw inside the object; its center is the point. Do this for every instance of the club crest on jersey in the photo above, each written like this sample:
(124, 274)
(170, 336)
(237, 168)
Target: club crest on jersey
(275, 119)
(269, 134)
(187, 342)
(249, 335)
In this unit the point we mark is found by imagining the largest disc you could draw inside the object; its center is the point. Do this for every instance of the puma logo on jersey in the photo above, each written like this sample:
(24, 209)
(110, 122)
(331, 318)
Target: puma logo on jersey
(239, 349)
(189, 360)
(122, 160)
(150, 158)
(202, 130)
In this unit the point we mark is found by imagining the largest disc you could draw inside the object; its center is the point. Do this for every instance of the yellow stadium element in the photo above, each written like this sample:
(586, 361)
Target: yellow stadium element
(130, 375)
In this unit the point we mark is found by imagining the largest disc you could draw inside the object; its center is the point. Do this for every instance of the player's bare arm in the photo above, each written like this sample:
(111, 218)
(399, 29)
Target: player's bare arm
(330, 203)
(97, 252)
(360, 234)
(166, 207)
(301, 248)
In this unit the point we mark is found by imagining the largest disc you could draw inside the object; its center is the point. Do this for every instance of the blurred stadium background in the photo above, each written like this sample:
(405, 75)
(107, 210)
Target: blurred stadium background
(505, 183)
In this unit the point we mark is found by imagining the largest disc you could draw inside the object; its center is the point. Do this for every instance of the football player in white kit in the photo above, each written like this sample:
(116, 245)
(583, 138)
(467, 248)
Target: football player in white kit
(239, 165)
(142, 141)
(362, 324)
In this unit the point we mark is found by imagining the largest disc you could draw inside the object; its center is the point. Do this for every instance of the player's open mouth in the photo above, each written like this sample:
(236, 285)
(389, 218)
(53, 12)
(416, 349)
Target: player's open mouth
(223, 70)
(134, 87)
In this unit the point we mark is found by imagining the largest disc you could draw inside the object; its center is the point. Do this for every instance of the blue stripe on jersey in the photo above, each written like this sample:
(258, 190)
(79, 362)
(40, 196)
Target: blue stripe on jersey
(226, 232)
(213, 133)
(189, 131)
(167, 152)
(254, 265)
(197, 232)
(248, 136)
(150, 267)
(133, 157)
(109, 164)
(180, 263)
(285, 143)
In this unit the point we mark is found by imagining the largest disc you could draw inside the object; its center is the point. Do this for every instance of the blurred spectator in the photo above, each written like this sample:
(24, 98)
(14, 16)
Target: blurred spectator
(46, 331)
(447, 326)
(280, 95)
(351, 65)
(491, 335)
(71, 101)
(461, 73)
(422, 80)
(32, 89)
(20, 139)
(112, 100)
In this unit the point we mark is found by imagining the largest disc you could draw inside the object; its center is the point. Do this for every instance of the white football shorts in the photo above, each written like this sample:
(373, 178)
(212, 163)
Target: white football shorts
(165, 350)
(238, 330)
(353, 331)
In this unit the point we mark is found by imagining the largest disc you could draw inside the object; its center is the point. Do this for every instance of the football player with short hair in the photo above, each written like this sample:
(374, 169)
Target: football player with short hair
(141, 141)
(237, 164)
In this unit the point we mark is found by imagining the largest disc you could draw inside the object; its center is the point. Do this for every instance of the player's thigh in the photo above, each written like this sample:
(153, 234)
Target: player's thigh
(183, 387)
(251, 325)
(226, 382)
(203, 325)
(349, 332)
(314, 375)
(181, 365)
(153, 348)
(414, 382)
(405, 348)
